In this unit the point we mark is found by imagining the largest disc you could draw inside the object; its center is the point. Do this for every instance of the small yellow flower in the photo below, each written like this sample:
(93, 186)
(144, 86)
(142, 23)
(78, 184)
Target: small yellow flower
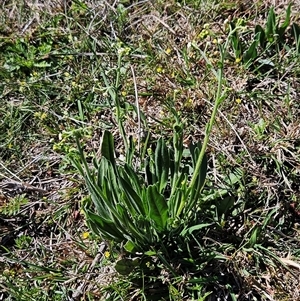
(148, 264)
(159, 69)
(168, 51)
(123, 93)
(162, 113)
(85, 235)
(189, 103)
(106, 254)
(238, 60)
(43, 116)
(238, 100)
(127, 50)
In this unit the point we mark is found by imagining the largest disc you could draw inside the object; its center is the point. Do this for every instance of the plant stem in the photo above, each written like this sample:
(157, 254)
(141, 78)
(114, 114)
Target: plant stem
(218, 100)
(209, 126)
(118, 104)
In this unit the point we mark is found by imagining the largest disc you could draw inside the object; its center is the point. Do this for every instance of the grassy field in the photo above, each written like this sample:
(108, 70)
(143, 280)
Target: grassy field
(137, 84)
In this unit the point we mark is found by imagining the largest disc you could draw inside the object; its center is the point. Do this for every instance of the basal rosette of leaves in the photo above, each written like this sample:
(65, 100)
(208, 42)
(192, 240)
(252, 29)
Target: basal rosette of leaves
(140, 208)
(156, 210)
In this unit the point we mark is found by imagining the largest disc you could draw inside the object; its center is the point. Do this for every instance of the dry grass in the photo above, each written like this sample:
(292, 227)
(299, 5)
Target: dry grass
(41, 194)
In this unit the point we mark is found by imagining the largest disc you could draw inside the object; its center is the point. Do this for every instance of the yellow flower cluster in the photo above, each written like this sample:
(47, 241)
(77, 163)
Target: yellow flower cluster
(40, 115)
(85, 235)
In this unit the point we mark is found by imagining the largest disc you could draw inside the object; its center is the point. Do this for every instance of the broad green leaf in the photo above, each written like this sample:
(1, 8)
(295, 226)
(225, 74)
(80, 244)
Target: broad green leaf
(179, 198)
(235, 41)
(158, 208)
(271, 25)
(201, 177)
(126, 265)
(251, 53)
(224, 204)
(130, 151)
(255, 235)
(101, 190)
(95, 163)
(120, 218)
(195, 152)
(234, 177)
(150, 168)
(140, 236)
(172, 166)
(149, 177)
(105, 228)
(286, 23)
(113, 185)
(262, 36)
(108, 148)
(98, 197)
(131, 198)
(162, 163)
(130, 247)
(102, 171)
(145, 202)
(133, 178)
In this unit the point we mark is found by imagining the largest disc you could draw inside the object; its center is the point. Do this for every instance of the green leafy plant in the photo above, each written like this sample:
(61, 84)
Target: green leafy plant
(157, 214)
(22, 56)
(155, 209)
(265, 41)
(14, 205)
(140, 210)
